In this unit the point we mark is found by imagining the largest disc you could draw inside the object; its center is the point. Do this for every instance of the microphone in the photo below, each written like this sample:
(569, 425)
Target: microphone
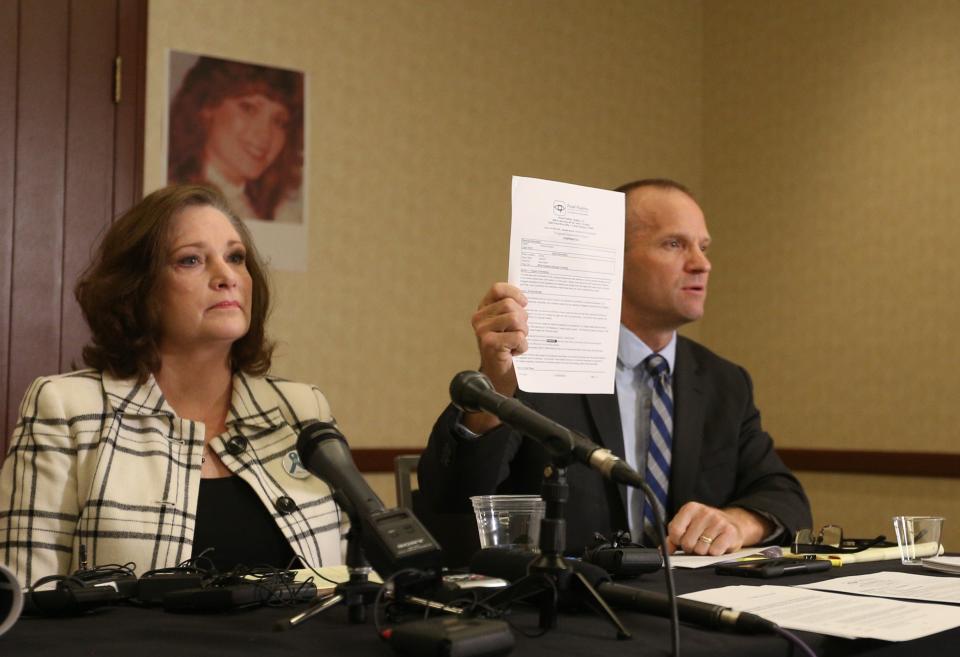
(511, 565)
(324, 452)
(472, 392)
(689, 611)
(392, 539)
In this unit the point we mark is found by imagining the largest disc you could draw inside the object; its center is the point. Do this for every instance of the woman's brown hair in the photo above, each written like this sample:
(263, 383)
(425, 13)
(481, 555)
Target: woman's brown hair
(116, 292)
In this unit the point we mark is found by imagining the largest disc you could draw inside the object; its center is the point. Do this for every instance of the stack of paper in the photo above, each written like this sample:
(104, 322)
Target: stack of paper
(905, 586)
(943, 564)
(847, 616)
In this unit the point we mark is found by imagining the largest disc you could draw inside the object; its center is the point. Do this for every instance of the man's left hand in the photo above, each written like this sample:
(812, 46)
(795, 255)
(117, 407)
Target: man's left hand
(701, 529)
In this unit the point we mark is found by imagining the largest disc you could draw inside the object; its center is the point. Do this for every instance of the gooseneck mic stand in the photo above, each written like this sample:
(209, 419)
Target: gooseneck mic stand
(549, 573)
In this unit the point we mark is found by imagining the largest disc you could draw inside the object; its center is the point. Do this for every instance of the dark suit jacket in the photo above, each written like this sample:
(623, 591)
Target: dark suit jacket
(721, 454)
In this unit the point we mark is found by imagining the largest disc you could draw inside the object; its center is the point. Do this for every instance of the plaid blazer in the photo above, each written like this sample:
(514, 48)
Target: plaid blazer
(106, 463)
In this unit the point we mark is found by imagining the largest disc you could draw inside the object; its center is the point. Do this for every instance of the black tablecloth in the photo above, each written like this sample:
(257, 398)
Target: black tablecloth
(129, 631)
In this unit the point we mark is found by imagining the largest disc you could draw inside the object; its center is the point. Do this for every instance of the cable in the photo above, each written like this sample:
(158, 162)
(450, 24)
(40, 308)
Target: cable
(794, 640)
(379, 597)
(313, 570)
(668, 570)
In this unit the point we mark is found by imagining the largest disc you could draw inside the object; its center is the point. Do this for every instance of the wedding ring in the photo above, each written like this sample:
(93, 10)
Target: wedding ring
(705, 539)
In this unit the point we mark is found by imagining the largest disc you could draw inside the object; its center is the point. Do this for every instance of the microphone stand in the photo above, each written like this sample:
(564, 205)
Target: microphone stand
(357, 592)
(549, 573)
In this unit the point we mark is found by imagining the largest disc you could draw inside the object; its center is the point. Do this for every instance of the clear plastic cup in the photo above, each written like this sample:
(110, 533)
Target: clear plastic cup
(509, 521)
(918, 537)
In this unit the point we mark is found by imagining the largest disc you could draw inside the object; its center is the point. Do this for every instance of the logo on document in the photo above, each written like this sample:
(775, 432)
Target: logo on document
(559, 208)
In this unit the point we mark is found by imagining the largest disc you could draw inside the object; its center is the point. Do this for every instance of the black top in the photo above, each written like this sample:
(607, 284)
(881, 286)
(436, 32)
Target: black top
(234, 522)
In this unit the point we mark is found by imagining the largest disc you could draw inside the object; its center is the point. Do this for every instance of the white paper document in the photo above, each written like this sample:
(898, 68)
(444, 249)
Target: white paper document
(681, 560)
(943, 564)
(905, 586)
(566, 254)
(848, 616)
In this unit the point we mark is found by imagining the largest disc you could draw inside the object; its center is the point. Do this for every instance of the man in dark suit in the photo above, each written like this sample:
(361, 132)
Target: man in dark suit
(716, 473)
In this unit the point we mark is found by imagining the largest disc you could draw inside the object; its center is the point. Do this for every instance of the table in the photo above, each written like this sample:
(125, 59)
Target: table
(124, 630)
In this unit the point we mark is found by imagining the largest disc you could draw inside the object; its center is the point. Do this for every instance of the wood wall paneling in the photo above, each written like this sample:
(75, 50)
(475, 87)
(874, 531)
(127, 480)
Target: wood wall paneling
(37, 276)
(88, 203)
(128, 142)
(70, 161)
(9, 49)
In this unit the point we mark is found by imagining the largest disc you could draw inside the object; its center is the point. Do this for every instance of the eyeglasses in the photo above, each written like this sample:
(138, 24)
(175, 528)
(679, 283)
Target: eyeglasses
(830, 540)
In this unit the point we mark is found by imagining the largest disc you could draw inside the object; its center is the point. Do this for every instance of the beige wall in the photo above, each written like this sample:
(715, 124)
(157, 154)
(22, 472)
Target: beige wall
(831, 183)
(820, 134)
(419, 114)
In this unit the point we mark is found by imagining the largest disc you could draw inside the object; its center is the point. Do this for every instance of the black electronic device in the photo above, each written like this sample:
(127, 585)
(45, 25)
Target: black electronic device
(152, 588)
(766, 568)
(451, 637)
(84, 591)
(214, 599)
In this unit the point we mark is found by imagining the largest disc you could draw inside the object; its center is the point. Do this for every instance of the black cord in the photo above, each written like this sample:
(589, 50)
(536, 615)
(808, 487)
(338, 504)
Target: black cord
(106, 571)
(668, 570)
(377, 601)
(313, 570)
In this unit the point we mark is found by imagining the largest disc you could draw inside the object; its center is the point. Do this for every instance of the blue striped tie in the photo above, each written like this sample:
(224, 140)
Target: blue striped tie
(661, 442)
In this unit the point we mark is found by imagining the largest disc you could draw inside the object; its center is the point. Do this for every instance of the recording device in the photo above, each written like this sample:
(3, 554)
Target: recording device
(512, 565)
(82, 592)
(152, 587)
(392, 539)
(472, 391)
(224, 598)
(451, 637)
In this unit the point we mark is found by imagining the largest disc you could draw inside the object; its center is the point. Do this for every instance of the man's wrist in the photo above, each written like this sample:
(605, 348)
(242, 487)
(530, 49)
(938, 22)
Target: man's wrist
(467, 426)
(755, 528)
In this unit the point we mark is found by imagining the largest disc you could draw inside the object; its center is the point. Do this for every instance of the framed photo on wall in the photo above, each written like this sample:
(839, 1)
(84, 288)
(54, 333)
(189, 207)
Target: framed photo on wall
(240, 127)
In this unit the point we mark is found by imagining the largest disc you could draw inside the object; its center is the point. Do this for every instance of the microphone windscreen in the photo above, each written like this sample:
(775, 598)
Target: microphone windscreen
(512, 565)
(465, 389)
(312, 434)
(504, 563)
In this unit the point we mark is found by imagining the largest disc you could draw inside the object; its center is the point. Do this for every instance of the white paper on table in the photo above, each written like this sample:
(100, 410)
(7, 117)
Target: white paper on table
(566, 254)
(681, 560)
(942, 564)
(906, 586)
(847, 616)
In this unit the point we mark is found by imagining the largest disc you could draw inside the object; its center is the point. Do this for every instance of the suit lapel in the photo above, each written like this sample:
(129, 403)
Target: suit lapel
(605, 413)
(688, 425)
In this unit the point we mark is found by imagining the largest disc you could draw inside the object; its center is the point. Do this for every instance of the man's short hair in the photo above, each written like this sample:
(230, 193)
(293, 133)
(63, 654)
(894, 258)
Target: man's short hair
(659, 183)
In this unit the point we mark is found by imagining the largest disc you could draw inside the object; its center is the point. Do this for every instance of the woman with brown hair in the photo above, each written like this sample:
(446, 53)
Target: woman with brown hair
(176, 440)
(240, 127)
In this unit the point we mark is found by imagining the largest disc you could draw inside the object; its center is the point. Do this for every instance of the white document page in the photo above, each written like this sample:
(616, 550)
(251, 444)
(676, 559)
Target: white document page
(681, 560)
(906, 586)
(943, 564)
(566, 254)
(847, 616)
